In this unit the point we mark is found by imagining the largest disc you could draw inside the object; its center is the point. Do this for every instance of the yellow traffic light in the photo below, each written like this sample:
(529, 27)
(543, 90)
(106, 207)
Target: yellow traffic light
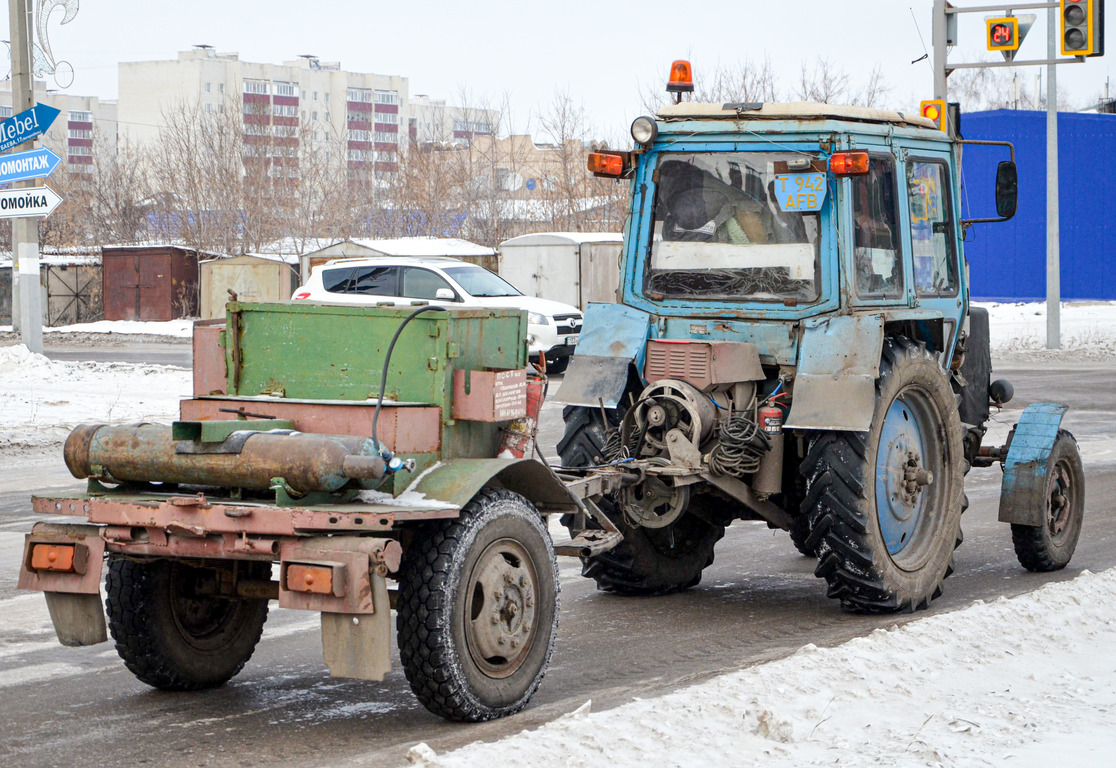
(934, 110)
(1082, 27)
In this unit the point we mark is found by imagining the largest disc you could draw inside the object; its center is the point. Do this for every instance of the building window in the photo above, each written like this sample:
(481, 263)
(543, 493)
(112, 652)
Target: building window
(363, 95)
(315, 95)
(387, 117)
(79, 133)
(386, 157)
(385, 137)
(257, 86)
(285, 131)
(5, 111)
(285, 89)
(387, 97)
(327, 97)
(87, 151)
(358, 117)
(209, 88)
(361, 155)
(81, 117)
(284, 110)
(208, 108)
(220, 87)
(313, 115)
(360, 136)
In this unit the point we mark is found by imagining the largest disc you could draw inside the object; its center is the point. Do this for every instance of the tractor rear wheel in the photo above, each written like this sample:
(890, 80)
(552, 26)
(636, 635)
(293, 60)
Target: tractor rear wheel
(648, 561)
(1050, 546)
(478, 608)
(171, 631)
(885, 505)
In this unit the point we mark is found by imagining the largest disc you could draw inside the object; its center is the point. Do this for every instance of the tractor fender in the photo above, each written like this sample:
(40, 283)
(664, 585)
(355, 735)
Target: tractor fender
(457, 481)
(1023, 490)
(838, 364)
(613, 337)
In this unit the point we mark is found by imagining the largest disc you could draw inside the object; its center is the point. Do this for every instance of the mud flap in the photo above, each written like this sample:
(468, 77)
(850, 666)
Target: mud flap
(359, 645)
(78, 619)
(1023, 491)
(838, 364)
(612, 337)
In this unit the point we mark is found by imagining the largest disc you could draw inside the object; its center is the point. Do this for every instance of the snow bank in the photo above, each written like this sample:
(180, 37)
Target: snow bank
(41, 400)
(1019, 330)
(1024, 682)
(179, 328)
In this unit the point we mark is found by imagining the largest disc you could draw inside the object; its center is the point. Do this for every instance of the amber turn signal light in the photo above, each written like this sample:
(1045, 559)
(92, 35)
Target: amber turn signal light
(310, 578)
(53, 557)
(849, 163)
(606, 164)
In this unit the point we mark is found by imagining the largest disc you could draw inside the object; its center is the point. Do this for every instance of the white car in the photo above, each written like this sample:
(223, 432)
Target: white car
(552, 327)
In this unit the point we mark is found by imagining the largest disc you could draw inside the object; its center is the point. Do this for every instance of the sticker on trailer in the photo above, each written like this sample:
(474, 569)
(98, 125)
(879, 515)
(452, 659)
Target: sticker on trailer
(800, 192)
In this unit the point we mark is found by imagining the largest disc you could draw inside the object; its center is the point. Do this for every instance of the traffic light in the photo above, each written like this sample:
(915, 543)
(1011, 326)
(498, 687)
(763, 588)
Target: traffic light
(935, 110)
(1003, 34)
(1082, 27)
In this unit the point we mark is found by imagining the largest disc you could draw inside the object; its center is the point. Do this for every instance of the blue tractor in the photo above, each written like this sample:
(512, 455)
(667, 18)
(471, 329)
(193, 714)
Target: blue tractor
(793, 342)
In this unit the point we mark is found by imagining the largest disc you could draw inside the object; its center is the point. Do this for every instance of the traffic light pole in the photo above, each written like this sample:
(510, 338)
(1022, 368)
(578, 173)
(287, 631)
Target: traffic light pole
(942, 70)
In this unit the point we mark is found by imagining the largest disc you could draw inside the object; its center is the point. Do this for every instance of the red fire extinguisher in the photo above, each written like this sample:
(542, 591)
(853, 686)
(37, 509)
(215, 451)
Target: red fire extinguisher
(519, 435)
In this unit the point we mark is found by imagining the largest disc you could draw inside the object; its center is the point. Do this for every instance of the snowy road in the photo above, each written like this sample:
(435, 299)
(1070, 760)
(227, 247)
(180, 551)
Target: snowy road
(757, 603)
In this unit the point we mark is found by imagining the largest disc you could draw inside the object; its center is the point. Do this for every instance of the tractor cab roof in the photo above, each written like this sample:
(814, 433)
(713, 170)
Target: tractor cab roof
(802, 110)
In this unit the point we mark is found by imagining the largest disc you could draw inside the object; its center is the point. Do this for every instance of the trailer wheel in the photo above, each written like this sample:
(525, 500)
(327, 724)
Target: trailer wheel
(885, 506)
(1050, 546)
(170, 635)
(478, 608)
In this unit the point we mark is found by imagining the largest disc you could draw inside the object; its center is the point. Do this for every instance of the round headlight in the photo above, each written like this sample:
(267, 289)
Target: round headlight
(644, 130)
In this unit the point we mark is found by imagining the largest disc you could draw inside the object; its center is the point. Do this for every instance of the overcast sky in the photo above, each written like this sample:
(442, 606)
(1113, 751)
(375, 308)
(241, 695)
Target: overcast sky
(603, 53)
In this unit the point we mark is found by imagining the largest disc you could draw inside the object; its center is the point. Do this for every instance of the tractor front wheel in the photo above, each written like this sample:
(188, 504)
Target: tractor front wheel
(885, 505)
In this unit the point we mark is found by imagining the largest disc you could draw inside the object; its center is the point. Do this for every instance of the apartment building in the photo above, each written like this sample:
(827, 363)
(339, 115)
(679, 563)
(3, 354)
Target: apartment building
(433, 121)
(83, 121)
(285, 107)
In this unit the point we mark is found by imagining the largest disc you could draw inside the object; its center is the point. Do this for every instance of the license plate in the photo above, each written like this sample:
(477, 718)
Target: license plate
(571, 340)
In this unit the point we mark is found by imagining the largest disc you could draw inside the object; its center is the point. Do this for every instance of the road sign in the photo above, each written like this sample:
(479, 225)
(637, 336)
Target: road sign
(25, 126)
(36, 201)
(28, 165)
(1003, 34)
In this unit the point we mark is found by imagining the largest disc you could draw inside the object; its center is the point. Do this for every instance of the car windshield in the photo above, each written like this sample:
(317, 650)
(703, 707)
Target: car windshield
(479, 282)
(736, 226)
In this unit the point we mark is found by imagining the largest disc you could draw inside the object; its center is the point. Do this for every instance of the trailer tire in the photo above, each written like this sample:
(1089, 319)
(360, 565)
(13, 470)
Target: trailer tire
(172, 638)
(471, 590)
(1050, 546)
(880, 546)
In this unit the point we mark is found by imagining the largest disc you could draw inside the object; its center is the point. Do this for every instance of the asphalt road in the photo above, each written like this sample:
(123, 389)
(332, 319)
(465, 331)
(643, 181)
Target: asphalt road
(758, 601)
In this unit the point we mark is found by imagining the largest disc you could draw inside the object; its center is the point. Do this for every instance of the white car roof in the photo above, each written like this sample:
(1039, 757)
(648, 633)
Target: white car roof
(401, 261)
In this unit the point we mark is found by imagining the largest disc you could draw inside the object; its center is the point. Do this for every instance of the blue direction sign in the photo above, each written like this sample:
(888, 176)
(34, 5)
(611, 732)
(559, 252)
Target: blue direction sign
(26, 125)
(28, 165)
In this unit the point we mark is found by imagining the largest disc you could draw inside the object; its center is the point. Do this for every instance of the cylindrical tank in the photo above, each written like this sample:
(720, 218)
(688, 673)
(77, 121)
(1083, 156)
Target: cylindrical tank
(148, 453)
(769, 477)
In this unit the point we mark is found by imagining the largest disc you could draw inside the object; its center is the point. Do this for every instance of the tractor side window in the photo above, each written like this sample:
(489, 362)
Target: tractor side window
(375, 281)
(877, 258)
(337, 280)
(422, 283)
(932, 238)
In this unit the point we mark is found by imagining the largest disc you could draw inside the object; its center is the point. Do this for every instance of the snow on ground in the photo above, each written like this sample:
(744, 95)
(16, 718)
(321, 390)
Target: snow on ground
(179, 328)
(1088, 329)
(41, 400)
(933, 692)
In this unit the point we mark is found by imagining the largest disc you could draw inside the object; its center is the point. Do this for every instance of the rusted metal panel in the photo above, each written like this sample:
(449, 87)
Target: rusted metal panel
(209, 357)
(403, 429)
(457, 482)
(156, 283)
(592, 380)
(838, 364)
(1024, 495)
(489, 395)
(89, 549)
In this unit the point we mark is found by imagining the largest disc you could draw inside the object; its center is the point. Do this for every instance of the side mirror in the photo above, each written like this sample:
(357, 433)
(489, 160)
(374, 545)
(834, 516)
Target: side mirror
(1007, 189)
(447, 294)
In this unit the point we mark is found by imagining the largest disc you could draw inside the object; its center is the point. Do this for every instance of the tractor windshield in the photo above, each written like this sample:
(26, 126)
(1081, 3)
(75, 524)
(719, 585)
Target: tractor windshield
(723, 230)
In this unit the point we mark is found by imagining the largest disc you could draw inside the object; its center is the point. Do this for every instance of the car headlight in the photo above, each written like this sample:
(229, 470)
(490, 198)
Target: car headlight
(536, 318)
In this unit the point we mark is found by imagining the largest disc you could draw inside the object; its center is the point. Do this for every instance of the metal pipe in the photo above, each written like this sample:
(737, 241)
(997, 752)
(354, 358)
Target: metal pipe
(148, 453)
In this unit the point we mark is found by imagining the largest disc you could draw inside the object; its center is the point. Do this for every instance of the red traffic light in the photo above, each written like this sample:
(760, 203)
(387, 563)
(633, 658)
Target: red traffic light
(934, 110)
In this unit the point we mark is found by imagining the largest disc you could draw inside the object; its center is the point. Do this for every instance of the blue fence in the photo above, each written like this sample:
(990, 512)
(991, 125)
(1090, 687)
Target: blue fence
(1008, 261)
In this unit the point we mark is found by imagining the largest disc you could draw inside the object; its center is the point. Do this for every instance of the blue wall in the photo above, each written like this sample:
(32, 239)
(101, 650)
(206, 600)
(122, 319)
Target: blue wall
(1008, 261)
